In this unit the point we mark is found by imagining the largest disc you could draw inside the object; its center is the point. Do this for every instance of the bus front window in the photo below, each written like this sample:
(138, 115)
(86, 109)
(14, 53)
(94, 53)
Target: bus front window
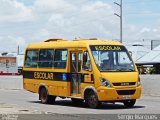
(112, 58)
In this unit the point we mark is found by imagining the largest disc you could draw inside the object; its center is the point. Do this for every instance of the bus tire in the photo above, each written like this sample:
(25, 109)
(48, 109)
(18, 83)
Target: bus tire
(91, 99)
(129, 103)
(45, 98)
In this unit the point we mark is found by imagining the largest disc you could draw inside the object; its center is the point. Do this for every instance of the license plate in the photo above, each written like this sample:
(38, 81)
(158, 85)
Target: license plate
(126, 97)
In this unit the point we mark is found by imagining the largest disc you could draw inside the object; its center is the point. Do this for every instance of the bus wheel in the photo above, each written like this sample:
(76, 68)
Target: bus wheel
(45, 98)
(91, 100)
(77, 101)
(129, 103)
(43, 95)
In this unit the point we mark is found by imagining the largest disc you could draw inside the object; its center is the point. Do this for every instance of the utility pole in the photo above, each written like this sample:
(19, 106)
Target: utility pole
(18, 50)
(120, 16)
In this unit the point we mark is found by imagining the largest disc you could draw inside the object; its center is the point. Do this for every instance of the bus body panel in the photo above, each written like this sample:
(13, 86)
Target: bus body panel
(110, 94)
(121, 77)
(54, 87)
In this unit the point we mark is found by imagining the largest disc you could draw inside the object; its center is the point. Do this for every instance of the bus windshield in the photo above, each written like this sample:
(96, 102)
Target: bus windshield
(112, 58)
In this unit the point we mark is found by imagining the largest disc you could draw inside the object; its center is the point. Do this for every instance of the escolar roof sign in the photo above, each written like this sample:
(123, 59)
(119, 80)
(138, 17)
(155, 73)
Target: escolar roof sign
(107, 47)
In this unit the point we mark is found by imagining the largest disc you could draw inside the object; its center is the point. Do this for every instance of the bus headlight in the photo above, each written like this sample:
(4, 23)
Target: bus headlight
(139, 81)
(104, 82)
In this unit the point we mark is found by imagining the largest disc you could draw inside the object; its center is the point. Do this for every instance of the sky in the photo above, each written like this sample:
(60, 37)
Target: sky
(26, 21)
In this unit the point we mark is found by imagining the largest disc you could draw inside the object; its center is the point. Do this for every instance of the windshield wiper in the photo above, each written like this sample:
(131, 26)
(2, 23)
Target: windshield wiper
(118, 69)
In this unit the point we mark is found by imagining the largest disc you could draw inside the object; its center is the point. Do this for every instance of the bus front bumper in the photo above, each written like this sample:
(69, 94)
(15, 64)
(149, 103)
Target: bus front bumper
(114, 94)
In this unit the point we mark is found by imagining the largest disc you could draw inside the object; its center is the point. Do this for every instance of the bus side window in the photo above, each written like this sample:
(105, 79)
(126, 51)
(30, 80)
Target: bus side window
(60, 58)
(45, 58)
(31, 58)
(86, 61)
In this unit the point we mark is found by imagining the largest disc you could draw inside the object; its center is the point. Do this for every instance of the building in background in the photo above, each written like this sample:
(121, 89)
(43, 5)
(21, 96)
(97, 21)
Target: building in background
(138, 51)
(152, 58)
(8, 65)
(11, 63)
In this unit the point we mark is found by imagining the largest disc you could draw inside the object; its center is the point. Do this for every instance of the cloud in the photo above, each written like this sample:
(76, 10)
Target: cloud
(13, 11)
(87, 20)
(47, 6)
(155, 30)
(96, 7)
(10, 43)
(67, 19)
(61, 18)
(144, 34)
(145, 29)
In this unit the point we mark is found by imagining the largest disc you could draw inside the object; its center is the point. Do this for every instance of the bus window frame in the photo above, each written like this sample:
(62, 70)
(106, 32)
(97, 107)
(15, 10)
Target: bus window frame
(26, 57)
(66, 58)
(46, 61)
(56, 68)
(129, 56)
(82, 65)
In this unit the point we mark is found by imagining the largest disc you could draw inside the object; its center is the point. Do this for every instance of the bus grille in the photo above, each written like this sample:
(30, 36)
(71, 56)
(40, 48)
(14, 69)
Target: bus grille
(124, 83)
(126, 92)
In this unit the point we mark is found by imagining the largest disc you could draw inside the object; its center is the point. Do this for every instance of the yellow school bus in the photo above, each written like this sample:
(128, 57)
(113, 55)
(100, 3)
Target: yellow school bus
(91, 71)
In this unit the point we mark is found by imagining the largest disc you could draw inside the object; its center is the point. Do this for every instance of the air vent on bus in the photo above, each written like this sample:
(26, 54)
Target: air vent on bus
(93, 39)
(126, 92)
(54, 40)
(124, 83)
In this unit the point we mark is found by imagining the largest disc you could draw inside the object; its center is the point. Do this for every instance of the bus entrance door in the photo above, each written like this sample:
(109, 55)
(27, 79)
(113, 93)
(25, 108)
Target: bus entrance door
(75, 68)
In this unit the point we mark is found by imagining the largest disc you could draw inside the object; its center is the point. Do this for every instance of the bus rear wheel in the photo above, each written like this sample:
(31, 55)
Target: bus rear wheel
(129, 103)
(91, 100)
(45, 98)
